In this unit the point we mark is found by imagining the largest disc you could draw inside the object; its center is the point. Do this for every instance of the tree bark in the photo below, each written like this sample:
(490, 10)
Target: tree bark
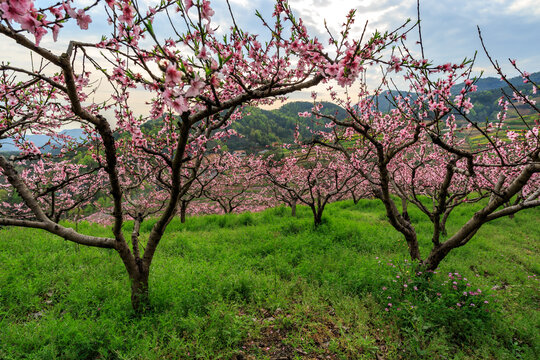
(140, 300)
(354, 198)
(293, 208)
(404, 209)
(183, 208)
(318, 219)
(317, 215)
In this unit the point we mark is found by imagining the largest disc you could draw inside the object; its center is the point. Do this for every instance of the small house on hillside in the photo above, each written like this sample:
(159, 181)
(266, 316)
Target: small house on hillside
(240, 153)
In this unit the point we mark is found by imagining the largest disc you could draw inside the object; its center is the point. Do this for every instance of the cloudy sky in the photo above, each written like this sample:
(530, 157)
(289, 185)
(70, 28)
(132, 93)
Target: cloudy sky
(511, 28)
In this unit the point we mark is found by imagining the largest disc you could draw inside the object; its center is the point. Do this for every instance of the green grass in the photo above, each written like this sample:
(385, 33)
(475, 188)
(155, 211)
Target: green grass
(265, 286)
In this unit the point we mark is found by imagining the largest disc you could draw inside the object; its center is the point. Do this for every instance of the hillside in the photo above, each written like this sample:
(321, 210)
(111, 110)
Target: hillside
(260, 128)
(485, 99)
(493, 83)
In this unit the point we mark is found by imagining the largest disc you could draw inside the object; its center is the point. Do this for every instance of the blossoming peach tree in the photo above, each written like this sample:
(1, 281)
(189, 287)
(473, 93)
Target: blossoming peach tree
(312, 175)
(237, 188)
(194, 80)
(420, 151)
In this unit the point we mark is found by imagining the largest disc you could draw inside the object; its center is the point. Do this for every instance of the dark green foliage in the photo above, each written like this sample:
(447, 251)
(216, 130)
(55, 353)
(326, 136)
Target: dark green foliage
(485, 99)
(494, 83)
(259, 128)
(486, 103)
(260, 285)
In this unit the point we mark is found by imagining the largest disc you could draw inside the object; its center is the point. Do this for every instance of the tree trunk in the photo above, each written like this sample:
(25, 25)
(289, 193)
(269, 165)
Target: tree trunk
(317, 216)
(412, 243)
(354, 198)
(404, 209)
(293, 208)
(140, 300)
(435, 257)
(318, 219)
(183, 208)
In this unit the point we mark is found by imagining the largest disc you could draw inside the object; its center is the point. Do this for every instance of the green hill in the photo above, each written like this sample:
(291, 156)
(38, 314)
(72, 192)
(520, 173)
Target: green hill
(259, 128)
(493, 83)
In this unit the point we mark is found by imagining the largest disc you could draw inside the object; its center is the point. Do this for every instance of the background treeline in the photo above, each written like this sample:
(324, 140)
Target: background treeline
(259, 128)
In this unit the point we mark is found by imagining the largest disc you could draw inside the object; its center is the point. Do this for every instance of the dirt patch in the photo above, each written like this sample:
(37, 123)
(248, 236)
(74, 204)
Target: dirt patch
(274, 340)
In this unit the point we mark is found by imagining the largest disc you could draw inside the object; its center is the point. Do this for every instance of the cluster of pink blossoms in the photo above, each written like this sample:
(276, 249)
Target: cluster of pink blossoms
(24, 13)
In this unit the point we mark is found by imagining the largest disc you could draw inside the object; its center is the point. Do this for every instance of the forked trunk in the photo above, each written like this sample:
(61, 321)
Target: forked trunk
(435, 257)
(318, 219)
(317, 215)
(140, 300)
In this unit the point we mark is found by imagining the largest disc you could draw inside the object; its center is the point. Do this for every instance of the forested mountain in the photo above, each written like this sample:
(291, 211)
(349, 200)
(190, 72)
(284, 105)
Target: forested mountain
(260, 128)
(7, 145)
(493, 83)
(486, 98)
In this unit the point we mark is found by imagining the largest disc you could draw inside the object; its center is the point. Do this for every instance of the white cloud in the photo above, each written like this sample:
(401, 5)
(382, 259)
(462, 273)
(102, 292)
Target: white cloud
(520, 6)
(377, 12)
(510, 28)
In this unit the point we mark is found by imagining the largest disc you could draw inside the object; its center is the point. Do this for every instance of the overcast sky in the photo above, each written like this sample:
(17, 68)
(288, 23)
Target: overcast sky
(511, 29)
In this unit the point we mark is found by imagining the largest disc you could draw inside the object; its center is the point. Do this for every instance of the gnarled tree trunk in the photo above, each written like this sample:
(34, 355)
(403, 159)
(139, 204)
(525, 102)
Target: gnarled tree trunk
(183, 208)
(140, 300)
(317, 215)
(293, 208)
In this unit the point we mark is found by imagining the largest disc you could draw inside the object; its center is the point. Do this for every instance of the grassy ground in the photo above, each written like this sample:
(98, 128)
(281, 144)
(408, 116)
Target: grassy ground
(268, 286)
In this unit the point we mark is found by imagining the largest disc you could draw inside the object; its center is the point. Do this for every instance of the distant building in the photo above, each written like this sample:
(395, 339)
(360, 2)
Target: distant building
(240, 153)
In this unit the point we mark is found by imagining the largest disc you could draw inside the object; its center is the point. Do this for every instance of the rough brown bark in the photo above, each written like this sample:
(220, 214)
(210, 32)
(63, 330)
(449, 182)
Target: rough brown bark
(317, 215)
(183, 208)
(140, 299)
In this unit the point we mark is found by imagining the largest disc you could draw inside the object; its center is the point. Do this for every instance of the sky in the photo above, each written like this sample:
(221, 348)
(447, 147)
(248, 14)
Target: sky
(511, 29)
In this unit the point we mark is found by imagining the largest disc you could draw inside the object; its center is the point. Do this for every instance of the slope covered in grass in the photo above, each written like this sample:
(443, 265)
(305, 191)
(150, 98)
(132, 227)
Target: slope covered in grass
(268, 286)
